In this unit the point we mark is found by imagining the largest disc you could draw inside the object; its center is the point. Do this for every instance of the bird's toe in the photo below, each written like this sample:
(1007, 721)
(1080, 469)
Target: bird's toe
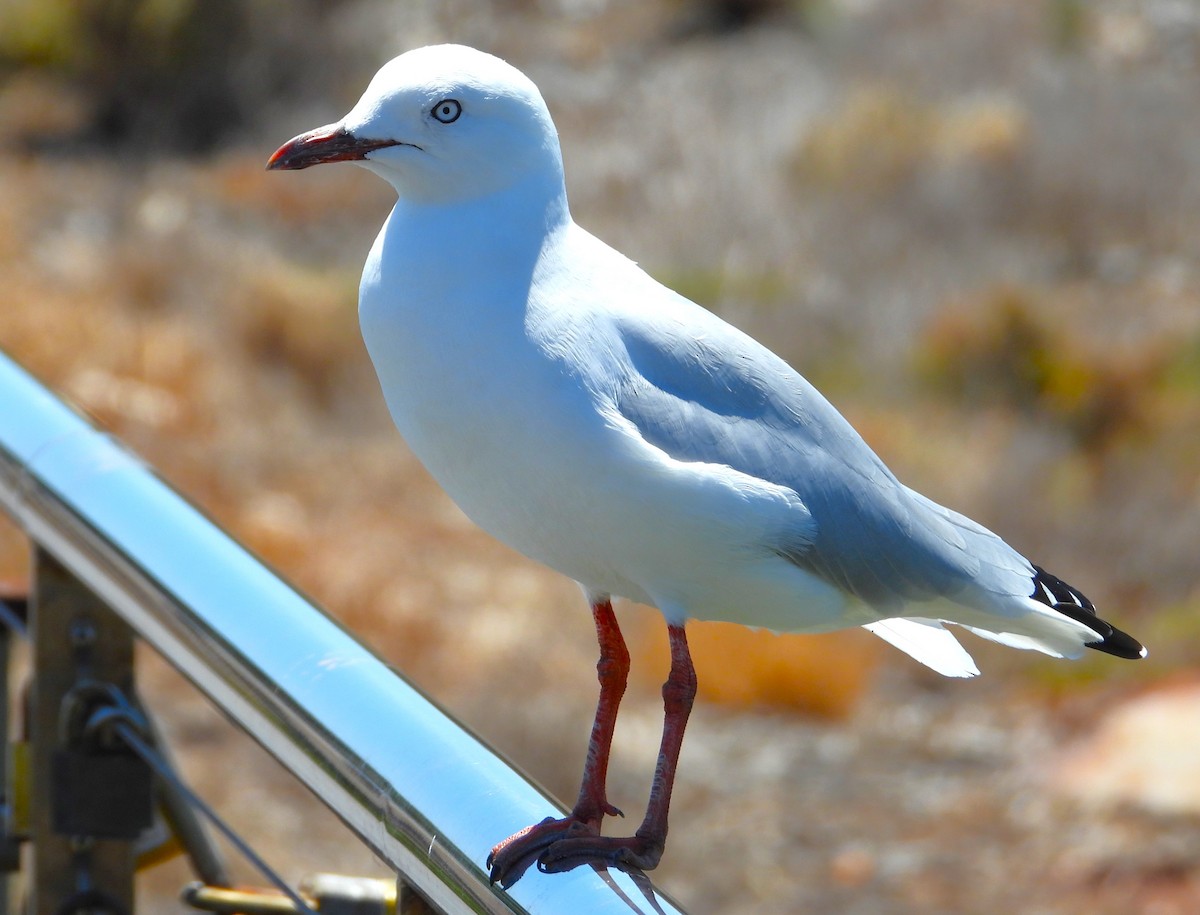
(570, 852)
(512, 857)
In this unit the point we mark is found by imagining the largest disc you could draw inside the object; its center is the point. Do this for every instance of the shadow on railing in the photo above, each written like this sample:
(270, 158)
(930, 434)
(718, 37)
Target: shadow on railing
(119, 555)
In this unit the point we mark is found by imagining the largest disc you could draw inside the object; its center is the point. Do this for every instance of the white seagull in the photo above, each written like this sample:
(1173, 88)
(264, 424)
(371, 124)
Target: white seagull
(611, 429)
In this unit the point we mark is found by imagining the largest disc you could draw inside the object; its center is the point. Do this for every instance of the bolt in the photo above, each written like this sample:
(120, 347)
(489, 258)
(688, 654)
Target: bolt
(82, 632)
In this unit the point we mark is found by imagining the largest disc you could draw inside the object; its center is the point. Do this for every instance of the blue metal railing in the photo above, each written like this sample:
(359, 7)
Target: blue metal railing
(428, 797)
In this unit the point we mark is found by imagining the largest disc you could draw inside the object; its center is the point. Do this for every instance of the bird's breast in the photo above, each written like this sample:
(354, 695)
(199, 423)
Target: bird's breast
(520, 445)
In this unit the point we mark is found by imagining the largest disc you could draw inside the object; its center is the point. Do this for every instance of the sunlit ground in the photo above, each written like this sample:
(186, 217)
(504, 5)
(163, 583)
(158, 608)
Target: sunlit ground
(973, 225)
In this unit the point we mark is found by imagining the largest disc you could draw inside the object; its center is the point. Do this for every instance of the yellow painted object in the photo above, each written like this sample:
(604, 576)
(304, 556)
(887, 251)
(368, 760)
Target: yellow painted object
(323, 892)
(19, 785)
(822, 675)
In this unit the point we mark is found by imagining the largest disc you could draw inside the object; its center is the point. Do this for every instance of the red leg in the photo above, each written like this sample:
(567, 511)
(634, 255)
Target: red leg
(510, 858)
(645, 847)
(613, 672)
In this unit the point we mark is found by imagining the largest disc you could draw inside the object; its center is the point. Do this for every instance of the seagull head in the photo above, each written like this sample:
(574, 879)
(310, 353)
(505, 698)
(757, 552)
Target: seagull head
(440, 123)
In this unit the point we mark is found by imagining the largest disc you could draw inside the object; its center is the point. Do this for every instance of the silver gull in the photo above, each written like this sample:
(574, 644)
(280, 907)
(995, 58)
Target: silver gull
(606, 426)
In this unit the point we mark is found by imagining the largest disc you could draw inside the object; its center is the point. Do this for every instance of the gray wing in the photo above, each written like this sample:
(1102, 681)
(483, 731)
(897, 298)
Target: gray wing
(723, 398)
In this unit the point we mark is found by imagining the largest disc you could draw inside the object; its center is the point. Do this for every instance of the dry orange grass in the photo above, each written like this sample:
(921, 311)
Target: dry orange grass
(822, 676)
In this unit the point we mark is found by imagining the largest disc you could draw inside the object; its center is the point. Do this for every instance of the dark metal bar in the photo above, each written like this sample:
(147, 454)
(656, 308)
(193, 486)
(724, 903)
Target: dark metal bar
(10, 846)
(425, 794)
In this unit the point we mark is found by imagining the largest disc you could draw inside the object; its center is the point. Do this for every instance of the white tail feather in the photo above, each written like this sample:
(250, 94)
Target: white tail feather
(929, 642)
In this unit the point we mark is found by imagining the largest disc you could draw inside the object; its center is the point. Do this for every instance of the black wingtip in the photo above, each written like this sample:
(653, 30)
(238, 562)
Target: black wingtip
(1060, 596)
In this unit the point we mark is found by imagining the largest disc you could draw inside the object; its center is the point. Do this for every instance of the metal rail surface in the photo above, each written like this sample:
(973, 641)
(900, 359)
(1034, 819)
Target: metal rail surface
(427, 796)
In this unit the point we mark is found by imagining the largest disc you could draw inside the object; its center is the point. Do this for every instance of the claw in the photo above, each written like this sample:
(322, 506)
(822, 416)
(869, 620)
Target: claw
(624, 853)
(512, 857)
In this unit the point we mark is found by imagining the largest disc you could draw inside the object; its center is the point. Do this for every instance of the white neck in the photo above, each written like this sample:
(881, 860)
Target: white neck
(453, 279)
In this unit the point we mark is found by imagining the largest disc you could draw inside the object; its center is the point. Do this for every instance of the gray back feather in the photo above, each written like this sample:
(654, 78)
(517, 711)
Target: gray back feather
(738, 404)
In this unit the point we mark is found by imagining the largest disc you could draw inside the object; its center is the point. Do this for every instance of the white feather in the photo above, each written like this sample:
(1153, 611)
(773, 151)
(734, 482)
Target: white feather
(929, 642)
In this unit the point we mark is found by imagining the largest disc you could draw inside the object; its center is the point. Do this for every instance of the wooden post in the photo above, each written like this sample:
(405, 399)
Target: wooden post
(75, 638)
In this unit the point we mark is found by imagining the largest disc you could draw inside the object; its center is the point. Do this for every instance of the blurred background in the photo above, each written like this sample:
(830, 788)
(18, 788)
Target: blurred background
(974, 225)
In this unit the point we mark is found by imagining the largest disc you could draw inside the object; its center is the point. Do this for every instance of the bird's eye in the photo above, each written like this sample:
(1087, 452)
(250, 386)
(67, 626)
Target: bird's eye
(447, 110)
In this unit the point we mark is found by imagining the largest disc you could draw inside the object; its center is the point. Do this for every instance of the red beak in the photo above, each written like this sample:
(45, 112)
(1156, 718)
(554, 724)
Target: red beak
(332, 143)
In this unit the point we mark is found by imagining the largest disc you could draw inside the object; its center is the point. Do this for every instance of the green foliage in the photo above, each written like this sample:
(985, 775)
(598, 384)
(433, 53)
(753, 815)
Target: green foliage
(1183, 368)
(84, 35)
(1067, 24)
(178, 74)
(37, 33)
(1010, 351)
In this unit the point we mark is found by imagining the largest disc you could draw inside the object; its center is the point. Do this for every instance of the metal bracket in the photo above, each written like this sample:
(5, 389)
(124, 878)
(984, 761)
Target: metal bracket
(101, 789)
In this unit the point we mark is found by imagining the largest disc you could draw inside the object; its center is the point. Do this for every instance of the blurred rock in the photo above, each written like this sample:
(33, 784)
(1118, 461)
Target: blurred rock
(1144, 752)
